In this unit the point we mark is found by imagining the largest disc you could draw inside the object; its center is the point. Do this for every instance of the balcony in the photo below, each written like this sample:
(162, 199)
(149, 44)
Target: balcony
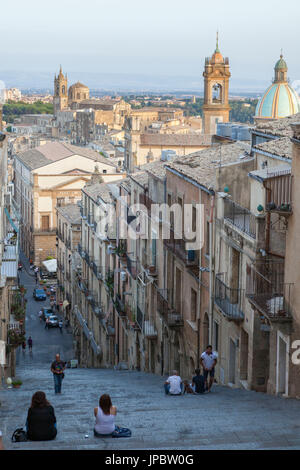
(44, 231)
(267, 292)
(131, 267)
(229, 300)
(279, 192)
(169, 314)
(149, 329)
(120, 306)
(89, 334)
(240, 217)
(178, 247)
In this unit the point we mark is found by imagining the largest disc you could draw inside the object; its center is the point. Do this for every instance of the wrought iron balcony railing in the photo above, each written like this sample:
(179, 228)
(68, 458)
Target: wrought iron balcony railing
(178, 246)
(131, 266)
(170, 315)
(240, 217)
(229, 300)
(267, 291)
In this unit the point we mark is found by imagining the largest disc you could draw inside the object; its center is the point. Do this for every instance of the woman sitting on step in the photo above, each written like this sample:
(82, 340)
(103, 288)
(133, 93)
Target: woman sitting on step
(105, 420)
(41, 420)
(105, 417)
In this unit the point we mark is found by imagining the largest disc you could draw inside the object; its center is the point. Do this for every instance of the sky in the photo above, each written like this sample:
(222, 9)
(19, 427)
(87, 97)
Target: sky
(153, 38)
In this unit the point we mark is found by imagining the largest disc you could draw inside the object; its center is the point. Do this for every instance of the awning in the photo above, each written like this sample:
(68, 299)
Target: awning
(65, 303)
(50, 265)
(10, 220)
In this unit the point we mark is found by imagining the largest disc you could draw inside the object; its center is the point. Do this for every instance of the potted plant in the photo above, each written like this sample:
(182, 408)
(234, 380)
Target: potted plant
(17, 383)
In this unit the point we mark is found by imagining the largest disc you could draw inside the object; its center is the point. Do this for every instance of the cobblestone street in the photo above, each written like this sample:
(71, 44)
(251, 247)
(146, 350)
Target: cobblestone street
(223, 419)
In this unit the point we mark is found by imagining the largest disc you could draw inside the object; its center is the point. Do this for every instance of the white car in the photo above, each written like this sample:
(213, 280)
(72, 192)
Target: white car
(53, 321)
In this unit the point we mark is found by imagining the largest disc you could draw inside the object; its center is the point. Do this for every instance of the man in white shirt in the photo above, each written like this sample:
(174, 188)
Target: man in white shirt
(173, 385)
(208, 361)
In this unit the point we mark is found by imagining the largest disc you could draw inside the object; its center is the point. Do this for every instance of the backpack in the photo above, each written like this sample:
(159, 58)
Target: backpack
(121, 432)
(19, 435)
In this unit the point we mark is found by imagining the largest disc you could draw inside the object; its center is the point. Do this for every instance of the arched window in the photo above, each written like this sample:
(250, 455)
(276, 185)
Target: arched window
(63, 89)
(217, 93)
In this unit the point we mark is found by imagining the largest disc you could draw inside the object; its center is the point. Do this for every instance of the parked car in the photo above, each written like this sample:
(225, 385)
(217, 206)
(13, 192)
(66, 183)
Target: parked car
(39, 294)
(47, 312)
(53, 321)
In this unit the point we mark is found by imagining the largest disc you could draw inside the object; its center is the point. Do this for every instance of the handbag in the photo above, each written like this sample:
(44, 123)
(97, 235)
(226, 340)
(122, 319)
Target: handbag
(63, 375)
(121, 432)
(19, 435)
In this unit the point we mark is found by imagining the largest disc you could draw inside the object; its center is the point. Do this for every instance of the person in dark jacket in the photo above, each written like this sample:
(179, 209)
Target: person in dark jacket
(198, 382)
(41, 420)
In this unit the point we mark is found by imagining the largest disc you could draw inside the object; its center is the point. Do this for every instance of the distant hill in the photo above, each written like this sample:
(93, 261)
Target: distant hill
(124, 82)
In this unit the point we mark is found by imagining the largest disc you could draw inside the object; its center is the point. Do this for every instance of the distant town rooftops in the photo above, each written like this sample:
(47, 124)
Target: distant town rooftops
(178, 140)
(278, 127)
(55, 151)
(201, 166)
(281, 147)
(71, 212)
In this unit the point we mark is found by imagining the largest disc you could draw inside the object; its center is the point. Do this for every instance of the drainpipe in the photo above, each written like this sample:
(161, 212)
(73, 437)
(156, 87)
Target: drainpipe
(211, 256)
(268, 222)
(199, 300)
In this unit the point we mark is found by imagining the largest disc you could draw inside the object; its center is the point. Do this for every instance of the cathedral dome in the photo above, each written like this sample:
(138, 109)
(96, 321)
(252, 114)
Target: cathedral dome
(280, 99)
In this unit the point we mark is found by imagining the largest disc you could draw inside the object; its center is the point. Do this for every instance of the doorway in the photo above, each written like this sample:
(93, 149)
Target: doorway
(244, 355)
(232, 360)
(282, 364)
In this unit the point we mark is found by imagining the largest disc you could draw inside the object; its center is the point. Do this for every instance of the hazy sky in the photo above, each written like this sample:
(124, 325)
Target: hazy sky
(155, 37)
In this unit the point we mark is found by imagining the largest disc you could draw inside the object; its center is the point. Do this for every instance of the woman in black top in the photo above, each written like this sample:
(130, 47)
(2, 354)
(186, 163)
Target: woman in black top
(41, 421)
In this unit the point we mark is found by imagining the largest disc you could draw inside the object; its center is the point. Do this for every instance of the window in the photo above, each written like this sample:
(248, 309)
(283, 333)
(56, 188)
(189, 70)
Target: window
(207, 239)
(45, 222)
(60, 201)
(216, 336)
(193, 305)
(194, 219)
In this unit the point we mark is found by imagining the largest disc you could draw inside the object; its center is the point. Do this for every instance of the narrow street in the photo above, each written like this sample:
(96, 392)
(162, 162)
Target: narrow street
(223, 419)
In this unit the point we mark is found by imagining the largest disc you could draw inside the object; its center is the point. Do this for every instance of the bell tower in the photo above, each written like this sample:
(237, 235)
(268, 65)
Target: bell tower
(60, 98)
(216, 91)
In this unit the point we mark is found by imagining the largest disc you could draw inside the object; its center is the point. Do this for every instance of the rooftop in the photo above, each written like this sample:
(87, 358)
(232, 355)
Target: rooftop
(266, 173)
(55, 151)
(278, 127)
(98, 190)
(71, 212)
(281, 147)
(178, 140)
(201, 166)
(140, 177)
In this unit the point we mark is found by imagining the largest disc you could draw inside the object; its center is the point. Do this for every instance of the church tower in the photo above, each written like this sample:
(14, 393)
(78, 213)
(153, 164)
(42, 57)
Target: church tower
(216, 91)
(60, 98)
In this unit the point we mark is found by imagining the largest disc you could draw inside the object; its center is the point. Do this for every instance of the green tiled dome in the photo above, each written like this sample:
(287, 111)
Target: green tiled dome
(280, 64)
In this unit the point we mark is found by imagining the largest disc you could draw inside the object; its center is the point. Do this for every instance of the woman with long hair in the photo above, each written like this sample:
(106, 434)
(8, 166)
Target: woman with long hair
(41, 420)
(105, 417)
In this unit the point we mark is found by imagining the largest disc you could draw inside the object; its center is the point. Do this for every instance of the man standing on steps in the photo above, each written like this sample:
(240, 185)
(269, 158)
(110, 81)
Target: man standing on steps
(57, 368)
(208, 361)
